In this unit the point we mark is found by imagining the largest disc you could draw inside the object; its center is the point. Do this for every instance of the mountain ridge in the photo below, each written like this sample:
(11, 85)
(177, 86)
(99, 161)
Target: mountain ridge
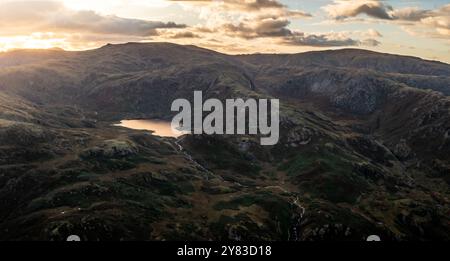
(307, 53)
(362, 151)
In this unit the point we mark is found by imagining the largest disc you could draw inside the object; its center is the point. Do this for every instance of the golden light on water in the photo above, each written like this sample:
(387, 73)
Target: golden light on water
(157, 127)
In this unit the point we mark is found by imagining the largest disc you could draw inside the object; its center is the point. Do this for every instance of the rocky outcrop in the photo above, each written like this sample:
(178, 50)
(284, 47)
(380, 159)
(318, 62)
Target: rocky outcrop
(298, 137)
(402, 150)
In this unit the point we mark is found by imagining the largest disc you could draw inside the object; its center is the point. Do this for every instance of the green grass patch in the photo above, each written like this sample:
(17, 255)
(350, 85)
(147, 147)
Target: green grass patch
(326, 174)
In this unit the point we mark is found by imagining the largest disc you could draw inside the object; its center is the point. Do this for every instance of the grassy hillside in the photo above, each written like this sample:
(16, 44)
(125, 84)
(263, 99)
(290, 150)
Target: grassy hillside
(363, 149)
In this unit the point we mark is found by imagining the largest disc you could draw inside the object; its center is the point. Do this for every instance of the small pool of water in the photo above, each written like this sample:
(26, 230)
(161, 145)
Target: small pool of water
(157, 127)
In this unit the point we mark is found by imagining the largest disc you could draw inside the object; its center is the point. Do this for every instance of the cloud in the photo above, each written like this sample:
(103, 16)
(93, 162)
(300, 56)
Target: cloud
(261, 19)
(370, 42)
(410, 14)
(342, 9)
(428, 23)
(274, 6)
(266, 27)
(372, 33)
(331, 39)
(236, 24)
(246, 5)
(277, 28)
(435, 22)
(90, 21)
(185, 34)
(322, 40)
(37, 16)
(440, 21)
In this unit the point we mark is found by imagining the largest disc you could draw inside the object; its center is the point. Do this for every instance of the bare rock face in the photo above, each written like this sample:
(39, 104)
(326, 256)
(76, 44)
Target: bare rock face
(298, 137)
(356, 91)
(402, 150)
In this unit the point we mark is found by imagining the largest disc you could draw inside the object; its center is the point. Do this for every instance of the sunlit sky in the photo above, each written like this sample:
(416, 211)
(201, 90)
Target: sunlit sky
(419, 28)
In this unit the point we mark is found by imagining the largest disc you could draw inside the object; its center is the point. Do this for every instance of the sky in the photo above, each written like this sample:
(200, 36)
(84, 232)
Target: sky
(407, 27)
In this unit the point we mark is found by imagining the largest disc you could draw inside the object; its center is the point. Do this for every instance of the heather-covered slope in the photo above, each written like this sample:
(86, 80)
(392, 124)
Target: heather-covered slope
(364, 147)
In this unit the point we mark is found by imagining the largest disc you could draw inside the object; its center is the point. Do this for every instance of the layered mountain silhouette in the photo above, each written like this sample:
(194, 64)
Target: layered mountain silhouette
(363, 150)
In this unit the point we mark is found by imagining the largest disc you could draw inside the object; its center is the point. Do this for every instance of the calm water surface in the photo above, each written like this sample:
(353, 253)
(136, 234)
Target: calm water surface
(158, 127)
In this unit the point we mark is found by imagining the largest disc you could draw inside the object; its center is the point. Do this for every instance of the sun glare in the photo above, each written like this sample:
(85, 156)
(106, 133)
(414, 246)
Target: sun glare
(110, 6)
(34, 41)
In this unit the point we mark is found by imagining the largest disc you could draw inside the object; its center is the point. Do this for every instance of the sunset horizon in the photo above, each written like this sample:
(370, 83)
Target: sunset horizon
(232, 128)
(230, 26)
(222, 52)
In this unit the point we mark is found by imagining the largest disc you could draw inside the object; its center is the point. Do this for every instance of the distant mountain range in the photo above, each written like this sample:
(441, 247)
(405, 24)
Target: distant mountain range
(364, 147)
